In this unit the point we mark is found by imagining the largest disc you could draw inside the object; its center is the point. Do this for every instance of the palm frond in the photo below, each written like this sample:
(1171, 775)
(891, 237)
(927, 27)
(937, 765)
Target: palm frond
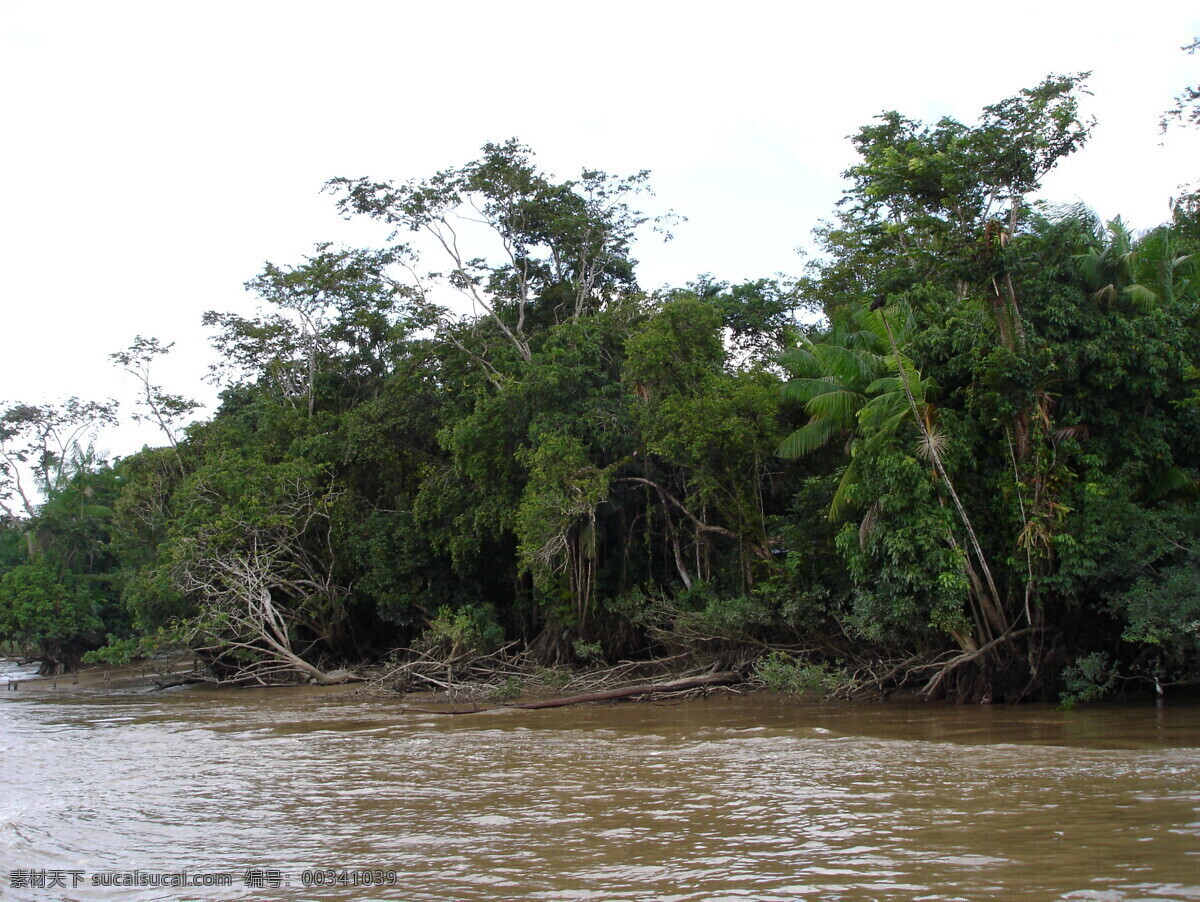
(1090, 266)
(910, 372)
(1172, 481)
(1105, 295)
(843, 495)
(849, 366)
(883, 405)
(804, 390)
(886, 384)
(1183, 261)
(813, 435)
(873, 341)
(799, 362)
(885, 432)
(1077, 431)
(839, 405)
(1142, 298)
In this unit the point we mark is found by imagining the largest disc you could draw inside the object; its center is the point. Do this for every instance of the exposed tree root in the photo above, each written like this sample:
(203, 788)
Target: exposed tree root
(967, 657)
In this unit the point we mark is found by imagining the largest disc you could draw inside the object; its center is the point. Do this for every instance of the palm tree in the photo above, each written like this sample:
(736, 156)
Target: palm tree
(1145, 271)
(857, 383)
(852, 386)
(1173, 276)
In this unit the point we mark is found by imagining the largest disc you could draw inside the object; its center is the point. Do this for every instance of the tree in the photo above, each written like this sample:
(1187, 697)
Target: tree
(556, 522)
(856, 383)
(707, 433)
(48, 614)
(167, 411)
(338, 325)
(44, 442)
(564, 246)
(935, 196)
(252, 548)
(1186, 110)
(934, 223)
(758, 315)
(1139, 272)
(841, 378)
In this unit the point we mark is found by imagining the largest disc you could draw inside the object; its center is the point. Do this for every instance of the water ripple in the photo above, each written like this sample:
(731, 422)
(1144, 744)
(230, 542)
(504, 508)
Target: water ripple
(739, 800)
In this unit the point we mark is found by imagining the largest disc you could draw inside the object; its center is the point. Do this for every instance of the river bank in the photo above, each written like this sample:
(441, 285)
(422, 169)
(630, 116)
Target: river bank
(487, 687)
(500, 682)
(22, 680)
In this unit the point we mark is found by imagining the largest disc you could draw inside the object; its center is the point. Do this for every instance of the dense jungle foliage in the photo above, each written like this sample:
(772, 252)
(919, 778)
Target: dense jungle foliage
(959, 454)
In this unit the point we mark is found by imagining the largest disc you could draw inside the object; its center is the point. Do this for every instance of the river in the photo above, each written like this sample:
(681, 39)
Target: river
(304, 794)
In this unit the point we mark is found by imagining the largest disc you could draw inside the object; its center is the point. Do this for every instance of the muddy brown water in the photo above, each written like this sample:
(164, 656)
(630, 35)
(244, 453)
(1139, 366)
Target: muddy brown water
(729, 798)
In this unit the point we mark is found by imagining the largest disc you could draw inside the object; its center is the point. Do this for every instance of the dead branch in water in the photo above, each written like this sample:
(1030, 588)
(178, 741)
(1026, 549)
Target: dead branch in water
(506, 674)
(671, 687)
(182, 679)
(713, 679)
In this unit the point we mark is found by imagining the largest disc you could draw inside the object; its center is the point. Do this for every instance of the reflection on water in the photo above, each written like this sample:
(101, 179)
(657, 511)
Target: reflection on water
(730, 798)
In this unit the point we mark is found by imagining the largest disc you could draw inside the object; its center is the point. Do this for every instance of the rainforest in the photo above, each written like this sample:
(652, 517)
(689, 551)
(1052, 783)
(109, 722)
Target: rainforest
(957, 456)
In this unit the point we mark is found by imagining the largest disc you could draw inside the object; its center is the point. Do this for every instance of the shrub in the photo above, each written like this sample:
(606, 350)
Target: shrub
(468, 630)
(787, 675)
(1089, 679)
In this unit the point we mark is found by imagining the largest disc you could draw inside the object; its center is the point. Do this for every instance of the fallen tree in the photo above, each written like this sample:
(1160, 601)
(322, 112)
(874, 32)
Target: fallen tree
(670, 687)
(724, 678)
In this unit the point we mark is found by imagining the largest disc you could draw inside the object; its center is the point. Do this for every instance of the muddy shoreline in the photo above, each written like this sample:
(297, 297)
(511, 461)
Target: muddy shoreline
(148, 677)
(17, 678)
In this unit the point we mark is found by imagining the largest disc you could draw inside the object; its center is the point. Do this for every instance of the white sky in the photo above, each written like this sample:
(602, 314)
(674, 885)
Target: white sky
(156, 153)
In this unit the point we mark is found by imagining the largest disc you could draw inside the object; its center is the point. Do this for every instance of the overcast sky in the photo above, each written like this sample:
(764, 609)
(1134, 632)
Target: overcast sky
(156, 153)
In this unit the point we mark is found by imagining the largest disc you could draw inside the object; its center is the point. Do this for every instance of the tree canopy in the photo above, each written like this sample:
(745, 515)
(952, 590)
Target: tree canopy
(967, 466)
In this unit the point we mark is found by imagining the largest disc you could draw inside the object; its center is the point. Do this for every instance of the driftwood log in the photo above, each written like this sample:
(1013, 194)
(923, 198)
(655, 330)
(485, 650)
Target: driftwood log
(724, 678)
(180, 679)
